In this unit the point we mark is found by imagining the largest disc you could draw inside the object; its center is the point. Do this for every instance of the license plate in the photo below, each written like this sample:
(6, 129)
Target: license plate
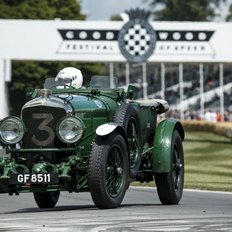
(32, 178)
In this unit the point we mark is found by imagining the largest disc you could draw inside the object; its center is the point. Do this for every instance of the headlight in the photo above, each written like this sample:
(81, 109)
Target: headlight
(12, 130)
(70, 129)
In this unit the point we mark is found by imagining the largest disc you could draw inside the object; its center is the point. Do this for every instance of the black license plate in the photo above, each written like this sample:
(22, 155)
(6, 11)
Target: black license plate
(32, 178)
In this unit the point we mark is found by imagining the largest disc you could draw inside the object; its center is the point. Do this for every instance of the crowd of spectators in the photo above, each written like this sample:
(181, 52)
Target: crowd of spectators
(209, 115)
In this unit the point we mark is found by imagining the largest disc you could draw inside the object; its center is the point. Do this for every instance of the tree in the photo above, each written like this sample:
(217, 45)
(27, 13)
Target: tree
(116, 18)
(182, 10)
(40, 9)
(229, 16)
(31, 73)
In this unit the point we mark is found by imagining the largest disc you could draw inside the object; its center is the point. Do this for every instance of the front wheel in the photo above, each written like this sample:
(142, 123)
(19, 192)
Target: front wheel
(170, 185)
(108, 171)
(46, 199)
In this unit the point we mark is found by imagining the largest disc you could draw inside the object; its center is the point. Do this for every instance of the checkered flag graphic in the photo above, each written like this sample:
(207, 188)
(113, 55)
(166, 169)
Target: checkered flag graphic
(137, 40)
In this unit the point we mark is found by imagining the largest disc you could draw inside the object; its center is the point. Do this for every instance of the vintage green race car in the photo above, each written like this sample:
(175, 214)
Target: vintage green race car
(94, 138)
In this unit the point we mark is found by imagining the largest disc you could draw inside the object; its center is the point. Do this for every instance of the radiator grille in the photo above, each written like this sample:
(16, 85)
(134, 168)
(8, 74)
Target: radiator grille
(41, 124)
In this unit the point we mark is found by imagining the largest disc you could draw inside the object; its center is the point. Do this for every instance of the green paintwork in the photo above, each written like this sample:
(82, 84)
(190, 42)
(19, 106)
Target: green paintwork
(93, 107)
(10, 166)
(163, 142)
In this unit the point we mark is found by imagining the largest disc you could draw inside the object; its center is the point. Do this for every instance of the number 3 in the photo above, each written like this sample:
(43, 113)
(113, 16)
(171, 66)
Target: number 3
(43, 126)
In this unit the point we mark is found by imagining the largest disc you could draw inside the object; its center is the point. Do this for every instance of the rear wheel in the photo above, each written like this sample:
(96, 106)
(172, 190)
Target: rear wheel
(46, 199)
(108, 171)
(126, 116)
(170, 184)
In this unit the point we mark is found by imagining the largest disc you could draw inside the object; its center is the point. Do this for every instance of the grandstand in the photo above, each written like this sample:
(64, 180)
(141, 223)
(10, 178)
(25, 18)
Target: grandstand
(190, 105)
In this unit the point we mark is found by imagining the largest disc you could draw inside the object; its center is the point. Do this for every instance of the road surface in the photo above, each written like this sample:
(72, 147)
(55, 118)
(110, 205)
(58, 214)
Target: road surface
(140, 211)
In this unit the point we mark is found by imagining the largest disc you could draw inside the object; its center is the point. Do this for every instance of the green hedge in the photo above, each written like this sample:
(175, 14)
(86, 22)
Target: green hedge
(224, 129)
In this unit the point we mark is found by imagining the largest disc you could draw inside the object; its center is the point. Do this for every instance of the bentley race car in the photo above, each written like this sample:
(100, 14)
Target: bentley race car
(93, 138)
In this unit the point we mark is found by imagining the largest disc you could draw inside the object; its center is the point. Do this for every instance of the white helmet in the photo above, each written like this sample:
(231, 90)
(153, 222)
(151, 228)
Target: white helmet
(70, 75)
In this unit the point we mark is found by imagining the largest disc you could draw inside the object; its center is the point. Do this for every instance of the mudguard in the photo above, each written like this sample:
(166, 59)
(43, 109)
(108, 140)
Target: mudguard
(107, 128)
(163, 143)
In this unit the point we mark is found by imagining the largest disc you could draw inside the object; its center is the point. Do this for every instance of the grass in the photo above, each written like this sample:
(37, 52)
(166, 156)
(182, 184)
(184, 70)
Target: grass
(208, 161)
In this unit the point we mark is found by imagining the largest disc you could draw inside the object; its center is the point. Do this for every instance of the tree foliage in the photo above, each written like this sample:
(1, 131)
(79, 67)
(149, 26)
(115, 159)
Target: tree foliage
(40, 9)
(116, 17)
(229, 16)
(185, 10)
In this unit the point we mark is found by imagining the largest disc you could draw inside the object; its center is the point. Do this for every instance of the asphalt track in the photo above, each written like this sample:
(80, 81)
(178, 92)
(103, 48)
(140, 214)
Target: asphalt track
(140, 211)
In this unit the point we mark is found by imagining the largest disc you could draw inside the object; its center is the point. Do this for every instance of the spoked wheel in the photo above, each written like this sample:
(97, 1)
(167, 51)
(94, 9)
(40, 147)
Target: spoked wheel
(170, 185)
(177, 168)
(108, 171)
(132, 136)
(46, 199)
(114, 171)
(127, 116)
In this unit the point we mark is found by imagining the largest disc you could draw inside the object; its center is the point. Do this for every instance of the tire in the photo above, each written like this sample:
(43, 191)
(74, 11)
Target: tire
(108, 171)
(46, 199)
(126, 115)
(170, 185)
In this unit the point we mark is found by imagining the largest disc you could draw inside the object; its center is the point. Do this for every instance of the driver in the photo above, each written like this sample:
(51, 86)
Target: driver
(69, 76)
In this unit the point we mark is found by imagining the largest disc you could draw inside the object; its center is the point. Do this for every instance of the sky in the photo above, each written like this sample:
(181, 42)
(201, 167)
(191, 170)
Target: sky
(104, 9)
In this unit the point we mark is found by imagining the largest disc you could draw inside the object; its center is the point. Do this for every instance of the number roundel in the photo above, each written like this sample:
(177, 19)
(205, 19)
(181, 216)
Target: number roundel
(43, 127)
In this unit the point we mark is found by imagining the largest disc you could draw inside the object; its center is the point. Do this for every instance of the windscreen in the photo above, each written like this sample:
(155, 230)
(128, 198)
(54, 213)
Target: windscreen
(103, 82)
(50, 83)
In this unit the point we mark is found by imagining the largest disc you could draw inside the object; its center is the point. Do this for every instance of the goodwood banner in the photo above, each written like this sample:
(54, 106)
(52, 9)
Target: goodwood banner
(136, 40)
